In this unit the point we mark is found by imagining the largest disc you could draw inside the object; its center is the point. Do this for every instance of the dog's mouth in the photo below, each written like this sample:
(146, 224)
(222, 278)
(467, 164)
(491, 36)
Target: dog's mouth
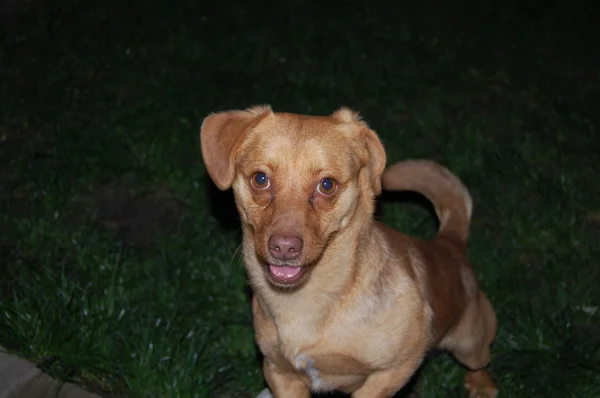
(286, 275)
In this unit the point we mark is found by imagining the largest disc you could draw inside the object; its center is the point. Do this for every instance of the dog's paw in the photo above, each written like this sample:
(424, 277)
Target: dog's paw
(479, 384)
(266, 393)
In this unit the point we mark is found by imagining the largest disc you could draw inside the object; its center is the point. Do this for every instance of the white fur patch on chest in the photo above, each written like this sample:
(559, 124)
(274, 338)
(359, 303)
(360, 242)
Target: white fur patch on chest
(305, 364)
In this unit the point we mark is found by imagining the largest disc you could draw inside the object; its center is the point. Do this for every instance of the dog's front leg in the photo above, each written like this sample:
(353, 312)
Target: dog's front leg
(385, 383)
(284, 383)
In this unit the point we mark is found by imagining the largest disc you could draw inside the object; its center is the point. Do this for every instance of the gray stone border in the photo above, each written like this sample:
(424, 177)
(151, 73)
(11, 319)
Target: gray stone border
(20, 378)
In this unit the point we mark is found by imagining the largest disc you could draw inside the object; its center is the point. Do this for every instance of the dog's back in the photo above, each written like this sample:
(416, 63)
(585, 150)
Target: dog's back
(463, 319)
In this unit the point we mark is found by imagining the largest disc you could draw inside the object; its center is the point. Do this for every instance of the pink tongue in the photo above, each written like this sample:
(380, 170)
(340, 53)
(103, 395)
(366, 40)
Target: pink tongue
(284, 272)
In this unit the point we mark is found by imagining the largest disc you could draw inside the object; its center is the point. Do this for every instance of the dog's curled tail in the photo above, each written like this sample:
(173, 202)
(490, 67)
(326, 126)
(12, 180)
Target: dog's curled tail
(451, 199)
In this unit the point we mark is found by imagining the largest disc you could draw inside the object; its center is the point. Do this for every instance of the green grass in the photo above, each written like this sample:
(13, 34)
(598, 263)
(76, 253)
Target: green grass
(119, 260)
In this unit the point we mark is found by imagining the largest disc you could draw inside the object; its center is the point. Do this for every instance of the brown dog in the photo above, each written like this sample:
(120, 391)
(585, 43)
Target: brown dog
(342, 302)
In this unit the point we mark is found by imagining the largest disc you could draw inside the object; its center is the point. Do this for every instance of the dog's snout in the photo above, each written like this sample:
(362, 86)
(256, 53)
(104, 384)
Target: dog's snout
(285, 247)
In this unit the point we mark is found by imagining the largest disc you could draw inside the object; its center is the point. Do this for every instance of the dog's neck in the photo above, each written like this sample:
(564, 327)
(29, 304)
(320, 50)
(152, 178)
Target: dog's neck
(331, 278)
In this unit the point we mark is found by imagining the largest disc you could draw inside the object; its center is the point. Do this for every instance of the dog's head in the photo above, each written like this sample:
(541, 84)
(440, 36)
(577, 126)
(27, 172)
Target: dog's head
(298, 180)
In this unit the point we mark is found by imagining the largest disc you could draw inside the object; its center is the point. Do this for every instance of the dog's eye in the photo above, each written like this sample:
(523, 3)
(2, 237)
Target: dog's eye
(327, 186)
(261, 180)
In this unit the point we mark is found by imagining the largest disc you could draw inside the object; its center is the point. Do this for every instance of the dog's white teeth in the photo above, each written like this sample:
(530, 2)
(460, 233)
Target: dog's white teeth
(266, 393)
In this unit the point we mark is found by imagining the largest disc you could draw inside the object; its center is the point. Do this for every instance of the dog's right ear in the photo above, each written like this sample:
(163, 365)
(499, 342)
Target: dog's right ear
(377, 158)
(374, 155)
(221, 135)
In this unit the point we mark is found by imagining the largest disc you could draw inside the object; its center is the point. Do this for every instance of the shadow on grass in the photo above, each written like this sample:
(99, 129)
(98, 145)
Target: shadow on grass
(222, 206)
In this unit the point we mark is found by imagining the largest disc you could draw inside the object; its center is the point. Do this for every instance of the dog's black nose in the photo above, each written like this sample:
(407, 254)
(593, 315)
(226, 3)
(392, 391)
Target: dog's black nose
(285, 247)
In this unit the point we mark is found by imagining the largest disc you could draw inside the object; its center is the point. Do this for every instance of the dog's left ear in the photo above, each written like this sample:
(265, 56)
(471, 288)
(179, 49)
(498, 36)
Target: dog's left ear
(374, 156)
(221, 135)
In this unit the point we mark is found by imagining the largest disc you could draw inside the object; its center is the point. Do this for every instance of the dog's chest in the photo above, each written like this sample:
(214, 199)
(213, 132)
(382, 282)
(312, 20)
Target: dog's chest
(305, 364)
(330, 371)
(326, 362)
(336, 354)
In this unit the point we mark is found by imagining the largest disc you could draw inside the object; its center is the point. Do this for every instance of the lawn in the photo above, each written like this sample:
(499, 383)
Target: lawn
(120, 261)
